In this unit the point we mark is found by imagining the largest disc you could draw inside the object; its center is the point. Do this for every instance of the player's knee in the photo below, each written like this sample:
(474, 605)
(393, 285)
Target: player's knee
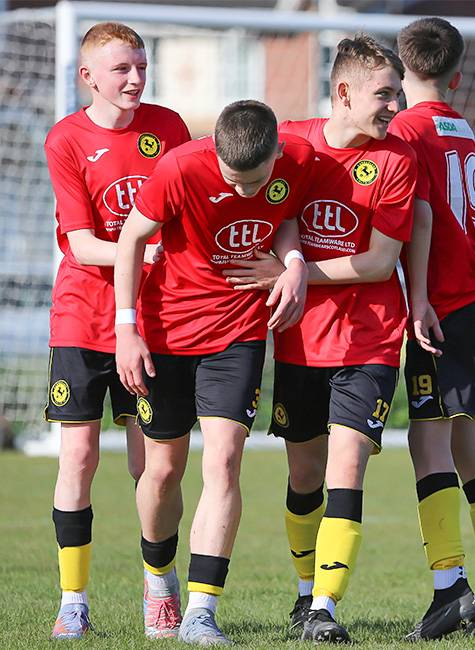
(164, 476)
(80, 458)
(222, 471)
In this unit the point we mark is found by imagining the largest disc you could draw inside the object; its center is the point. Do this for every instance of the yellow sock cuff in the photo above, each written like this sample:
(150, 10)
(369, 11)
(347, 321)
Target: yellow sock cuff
(213, 590)
(74, 563)
(162, 570)
(302, 534)
(439, 519)
(449, 563)
(338, 544)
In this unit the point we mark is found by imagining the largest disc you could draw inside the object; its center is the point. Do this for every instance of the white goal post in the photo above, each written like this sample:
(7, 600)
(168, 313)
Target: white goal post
(200, 59)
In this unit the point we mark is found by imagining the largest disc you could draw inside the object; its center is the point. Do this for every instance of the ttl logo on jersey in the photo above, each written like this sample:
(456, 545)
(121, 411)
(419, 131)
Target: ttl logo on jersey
(119, 197)
(327, 218)
(97, 154)
(243, 236)
(149, 145)
(277, 191)
(365, 172)
(60, 393)
(144, 410)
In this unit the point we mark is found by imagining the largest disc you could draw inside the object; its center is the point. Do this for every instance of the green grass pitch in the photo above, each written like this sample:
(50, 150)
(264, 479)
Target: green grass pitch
(389, 590)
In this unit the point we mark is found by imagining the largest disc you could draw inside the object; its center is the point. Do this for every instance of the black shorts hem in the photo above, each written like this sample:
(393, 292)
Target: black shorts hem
(376, 442)
(296, 438)
(65, 420)
(225, 417)
(120, 420)
(160, 436)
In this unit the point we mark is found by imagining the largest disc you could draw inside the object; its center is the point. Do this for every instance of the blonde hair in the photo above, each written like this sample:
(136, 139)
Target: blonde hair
(102, 33)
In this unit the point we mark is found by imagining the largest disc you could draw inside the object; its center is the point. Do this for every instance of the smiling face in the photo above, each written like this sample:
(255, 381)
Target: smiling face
(371, 103)
(115, 72)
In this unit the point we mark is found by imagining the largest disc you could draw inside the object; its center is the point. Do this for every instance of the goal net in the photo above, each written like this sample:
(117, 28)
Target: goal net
(200, 59)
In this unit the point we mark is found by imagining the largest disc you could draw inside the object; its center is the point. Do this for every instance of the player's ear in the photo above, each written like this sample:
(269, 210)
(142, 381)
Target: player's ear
(456, 80)
(343, 93)
(86, 75)
(280, 150)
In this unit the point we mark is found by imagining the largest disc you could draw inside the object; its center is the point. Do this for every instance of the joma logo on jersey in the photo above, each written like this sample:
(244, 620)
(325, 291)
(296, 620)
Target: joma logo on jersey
(119, 197)
(242, 236)
(329, 219)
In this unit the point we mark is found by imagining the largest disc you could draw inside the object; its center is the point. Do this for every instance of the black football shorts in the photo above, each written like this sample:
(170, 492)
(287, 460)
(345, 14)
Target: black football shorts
(224, 385)
(308, 400)
(77, 385)
(444, 387)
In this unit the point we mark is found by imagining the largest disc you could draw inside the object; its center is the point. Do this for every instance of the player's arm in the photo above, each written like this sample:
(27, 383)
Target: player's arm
(290, 287)
(132, 354)
(89, 250)
(374, 265)
(423, 315)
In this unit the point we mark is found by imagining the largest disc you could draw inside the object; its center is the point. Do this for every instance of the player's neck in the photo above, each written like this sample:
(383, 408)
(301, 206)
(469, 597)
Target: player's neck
(109, 117)
(423, 90)
(430, 94)
(340, 134)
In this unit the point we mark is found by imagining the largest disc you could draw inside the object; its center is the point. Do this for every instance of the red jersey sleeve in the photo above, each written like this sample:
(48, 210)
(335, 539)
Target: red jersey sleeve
(73, 200)
(401, 128)
(394, 211)
(161, 197)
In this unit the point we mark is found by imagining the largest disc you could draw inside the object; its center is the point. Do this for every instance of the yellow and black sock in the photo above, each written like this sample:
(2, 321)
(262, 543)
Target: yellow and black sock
(74, 537)
(338, 542)
(159, 557)
(439, 519)
(469, 489)
(303, 515)
(207, 574)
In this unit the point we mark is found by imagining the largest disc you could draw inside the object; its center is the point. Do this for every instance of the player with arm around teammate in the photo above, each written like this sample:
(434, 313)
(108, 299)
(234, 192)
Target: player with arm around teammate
(441, 387)
(98, 157)
(337, 368)
(216, 201)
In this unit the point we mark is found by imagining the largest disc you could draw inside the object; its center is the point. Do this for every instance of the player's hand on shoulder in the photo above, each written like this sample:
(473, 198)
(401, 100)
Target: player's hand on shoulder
(288, 296)
(259, 273)
(132, 357)
(424, 320)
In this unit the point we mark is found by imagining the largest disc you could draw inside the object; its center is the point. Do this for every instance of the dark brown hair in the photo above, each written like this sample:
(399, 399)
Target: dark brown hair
(362, 54)
(430, 47)
(246, 134)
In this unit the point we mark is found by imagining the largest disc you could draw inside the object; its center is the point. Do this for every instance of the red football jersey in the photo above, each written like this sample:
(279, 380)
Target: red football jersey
(445, 148)
(186, 303)
(96, 173)
(354, 190)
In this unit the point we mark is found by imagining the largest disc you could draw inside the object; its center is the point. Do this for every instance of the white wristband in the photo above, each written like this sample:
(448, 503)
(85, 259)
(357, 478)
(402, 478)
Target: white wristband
(293, 255)
(125, 316)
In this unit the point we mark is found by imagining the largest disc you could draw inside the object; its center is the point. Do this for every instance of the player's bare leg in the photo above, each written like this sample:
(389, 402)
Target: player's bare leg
(339, 536)
(214, 528)
(135, 449)
(160, 508)
(431, 444)
(303, 514)
(72, 515)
